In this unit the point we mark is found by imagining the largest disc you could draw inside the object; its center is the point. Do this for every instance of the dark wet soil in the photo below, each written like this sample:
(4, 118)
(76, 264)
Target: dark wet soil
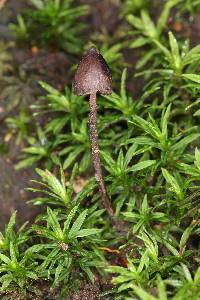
(12, 183)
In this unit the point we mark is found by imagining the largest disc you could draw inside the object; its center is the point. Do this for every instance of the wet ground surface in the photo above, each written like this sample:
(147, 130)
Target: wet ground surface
(12, 183)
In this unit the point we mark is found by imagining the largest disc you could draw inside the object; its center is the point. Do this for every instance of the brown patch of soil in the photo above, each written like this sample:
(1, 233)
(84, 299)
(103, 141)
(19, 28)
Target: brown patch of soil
(12, 183)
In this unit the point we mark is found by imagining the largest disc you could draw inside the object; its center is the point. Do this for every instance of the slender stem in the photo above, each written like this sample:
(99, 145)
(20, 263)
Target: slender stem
(95, 155)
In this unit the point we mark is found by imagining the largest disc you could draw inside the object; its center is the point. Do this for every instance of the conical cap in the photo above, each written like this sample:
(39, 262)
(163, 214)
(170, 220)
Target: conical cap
(92, 75)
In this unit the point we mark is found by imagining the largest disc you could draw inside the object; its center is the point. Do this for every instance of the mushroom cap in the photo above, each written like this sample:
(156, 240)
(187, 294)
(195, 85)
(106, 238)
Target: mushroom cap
(92, 75)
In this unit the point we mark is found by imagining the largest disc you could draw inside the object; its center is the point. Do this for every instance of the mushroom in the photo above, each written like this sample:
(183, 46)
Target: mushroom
(93, 76)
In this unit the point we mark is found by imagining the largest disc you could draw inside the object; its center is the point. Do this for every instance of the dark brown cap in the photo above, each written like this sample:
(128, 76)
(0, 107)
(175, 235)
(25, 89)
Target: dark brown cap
(92, 75)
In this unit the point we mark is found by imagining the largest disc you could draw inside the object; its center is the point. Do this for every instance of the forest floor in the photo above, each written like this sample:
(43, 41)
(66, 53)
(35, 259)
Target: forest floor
(51, 66)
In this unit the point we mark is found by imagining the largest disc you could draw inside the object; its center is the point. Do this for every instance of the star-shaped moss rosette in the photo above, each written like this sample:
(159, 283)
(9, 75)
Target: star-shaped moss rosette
(93, 76)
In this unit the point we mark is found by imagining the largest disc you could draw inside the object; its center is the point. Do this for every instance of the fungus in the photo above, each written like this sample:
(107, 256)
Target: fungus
(93, 76)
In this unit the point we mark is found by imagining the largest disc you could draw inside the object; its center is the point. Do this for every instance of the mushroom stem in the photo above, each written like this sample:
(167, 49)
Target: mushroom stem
(95, 155)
